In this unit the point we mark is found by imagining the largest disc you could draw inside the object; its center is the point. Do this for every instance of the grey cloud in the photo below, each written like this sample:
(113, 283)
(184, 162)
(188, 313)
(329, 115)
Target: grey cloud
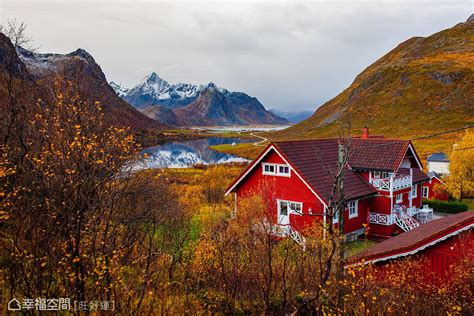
(291, 55)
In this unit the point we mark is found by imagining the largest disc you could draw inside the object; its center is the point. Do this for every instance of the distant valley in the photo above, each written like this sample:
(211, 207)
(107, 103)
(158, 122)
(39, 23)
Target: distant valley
(185, 104)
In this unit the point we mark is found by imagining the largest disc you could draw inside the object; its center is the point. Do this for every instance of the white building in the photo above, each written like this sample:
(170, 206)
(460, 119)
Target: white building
(439, 163)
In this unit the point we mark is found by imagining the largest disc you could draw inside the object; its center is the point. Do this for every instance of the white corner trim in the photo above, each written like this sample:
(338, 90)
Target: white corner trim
(256, 162)
(404, 254)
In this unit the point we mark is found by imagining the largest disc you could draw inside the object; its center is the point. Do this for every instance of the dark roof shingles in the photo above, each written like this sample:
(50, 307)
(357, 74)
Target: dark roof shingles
(316, 162)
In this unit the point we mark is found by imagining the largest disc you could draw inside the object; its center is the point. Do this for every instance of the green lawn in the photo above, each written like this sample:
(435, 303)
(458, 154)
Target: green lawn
(470, 203)
(357, 246)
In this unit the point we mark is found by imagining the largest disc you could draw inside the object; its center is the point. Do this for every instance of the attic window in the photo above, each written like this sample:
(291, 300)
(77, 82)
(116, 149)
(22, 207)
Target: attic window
(275, 169)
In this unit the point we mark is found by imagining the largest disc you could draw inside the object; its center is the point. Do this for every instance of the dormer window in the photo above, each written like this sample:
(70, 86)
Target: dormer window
(275, 169)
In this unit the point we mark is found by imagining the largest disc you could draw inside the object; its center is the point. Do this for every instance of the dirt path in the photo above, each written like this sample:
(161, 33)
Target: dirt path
(260, 143)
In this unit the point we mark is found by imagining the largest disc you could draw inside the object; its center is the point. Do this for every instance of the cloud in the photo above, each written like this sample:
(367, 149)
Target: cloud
(290, 55)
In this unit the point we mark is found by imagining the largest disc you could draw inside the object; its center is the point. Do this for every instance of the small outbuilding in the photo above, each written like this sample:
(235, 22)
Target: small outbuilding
(441, 242)
(439, 163)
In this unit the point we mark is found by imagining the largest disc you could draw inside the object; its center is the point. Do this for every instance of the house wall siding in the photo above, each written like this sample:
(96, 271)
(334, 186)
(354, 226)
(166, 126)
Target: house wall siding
(292, 188)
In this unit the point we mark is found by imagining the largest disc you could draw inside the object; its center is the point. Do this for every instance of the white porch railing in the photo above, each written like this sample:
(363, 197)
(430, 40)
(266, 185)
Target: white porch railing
(403, 219)
(288, 231)
(381, 219)
(398, 183)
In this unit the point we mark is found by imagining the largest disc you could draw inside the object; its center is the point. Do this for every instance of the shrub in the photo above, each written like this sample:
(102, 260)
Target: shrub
(446, 207)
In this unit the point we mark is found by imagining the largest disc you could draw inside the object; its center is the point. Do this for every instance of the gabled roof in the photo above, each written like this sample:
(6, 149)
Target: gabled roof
(418, 175)
(438, 157)
(378, 154)
(433, 174)
(314, 161)
(417, 239)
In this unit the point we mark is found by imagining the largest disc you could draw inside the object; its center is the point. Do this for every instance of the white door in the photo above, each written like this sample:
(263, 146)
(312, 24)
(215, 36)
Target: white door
(283, 213)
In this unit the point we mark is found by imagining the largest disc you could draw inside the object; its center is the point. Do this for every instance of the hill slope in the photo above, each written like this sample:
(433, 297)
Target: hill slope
(186, 104)
(80, 68)
(424, 85)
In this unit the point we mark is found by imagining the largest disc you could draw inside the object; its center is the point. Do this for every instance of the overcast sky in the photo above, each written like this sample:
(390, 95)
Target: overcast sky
(291, 55)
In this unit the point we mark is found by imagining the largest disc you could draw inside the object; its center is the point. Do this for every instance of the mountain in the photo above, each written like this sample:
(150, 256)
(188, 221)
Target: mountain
(424, 85)
(80, 68)
(293, 117)
(155, 91)
(187, 105)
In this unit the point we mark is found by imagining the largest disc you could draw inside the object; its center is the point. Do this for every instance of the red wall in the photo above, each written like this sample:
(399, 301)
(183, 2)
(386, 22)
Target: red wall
(284, 188)
(432, 194)
(440, 257)
(292, 189)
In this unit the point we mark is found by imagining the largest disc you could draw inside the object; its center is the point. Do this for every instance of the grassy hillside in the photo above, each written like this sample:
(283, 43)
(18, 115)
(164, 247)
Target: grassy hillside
(422, 86)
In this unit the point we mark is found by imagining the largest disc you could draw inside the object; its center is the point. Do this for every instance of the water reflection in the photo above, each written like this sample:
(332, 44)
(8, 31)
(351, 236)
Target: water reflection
(188, 153)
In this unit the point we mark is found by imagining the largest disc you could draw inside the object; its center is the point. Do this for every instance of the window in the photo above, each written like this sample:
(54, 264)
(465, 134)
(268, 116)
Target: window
(289, 207)
(385, 175)
(414, 190)
(335, 218)
(376, 174)
(283, 170)
(399, 198)
(353, 212)
(426, 191)
(295, 207)
(268, 168)
(283, 208)
(274, 169)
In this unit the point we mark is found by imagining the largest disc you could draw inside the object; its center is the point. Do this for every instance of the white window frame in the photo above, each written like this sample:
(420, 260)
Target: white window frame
(290, 209)
(376, 174)
(272, 173)
(414, 191)
(353, 206)
(425, 190)
(399, 200)
(276, 169)
(385, 175)
(335, 217)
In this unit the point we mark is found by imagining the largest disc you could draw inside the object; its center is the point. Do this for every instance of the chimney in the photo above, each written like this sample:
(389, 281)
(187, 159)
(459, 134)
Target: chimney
(365, 133)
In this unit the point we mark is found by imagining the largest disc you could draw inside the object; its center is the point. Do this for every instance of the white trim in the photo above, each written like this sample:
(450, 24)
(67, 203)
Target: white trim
(401, 198)
(289, 210)
(403, 254)
(414, 155)
(283, 158)
(255, 163)
(423, 192)
(276, 169)
(356, 206)
(438, 179)
(415, 187)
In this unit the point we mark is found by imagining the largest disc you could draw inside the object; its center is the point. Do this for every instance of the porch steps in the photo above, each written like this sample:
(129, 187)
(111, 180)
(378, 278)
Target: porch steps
(403, 220)
(297, 237)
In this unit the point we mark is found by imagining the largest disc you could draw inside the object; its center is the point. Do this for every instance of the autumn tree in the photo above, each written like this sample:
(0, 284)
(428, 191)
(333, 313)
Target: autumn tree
(78, 222)
(460, 181)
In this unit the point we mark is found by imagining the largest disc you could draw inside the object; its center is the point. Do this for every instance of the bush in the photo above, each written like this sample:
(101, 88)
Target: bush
(446, 207)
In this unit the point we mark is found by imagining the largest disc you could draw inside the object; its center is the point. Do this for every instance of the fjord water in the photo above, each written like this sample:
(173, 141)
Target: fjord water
(184, 154)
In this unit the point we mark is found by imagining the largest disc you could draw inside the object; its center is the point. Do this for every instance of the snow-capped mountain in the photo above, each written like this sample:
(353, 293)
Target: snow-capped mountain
(187, 104)
(82, 71)
(153, 90)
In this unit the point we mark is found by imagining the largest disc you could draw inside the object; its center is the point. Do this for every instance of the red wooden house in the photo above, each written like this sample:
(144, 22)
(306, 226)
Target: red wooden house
(441, 242)
(382, 183)
(430, 190)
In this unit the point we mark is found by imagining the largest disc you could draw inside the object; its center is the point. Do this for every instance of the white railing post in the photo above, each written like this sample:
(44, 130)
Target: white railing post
(411, 187)
(391, 193)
